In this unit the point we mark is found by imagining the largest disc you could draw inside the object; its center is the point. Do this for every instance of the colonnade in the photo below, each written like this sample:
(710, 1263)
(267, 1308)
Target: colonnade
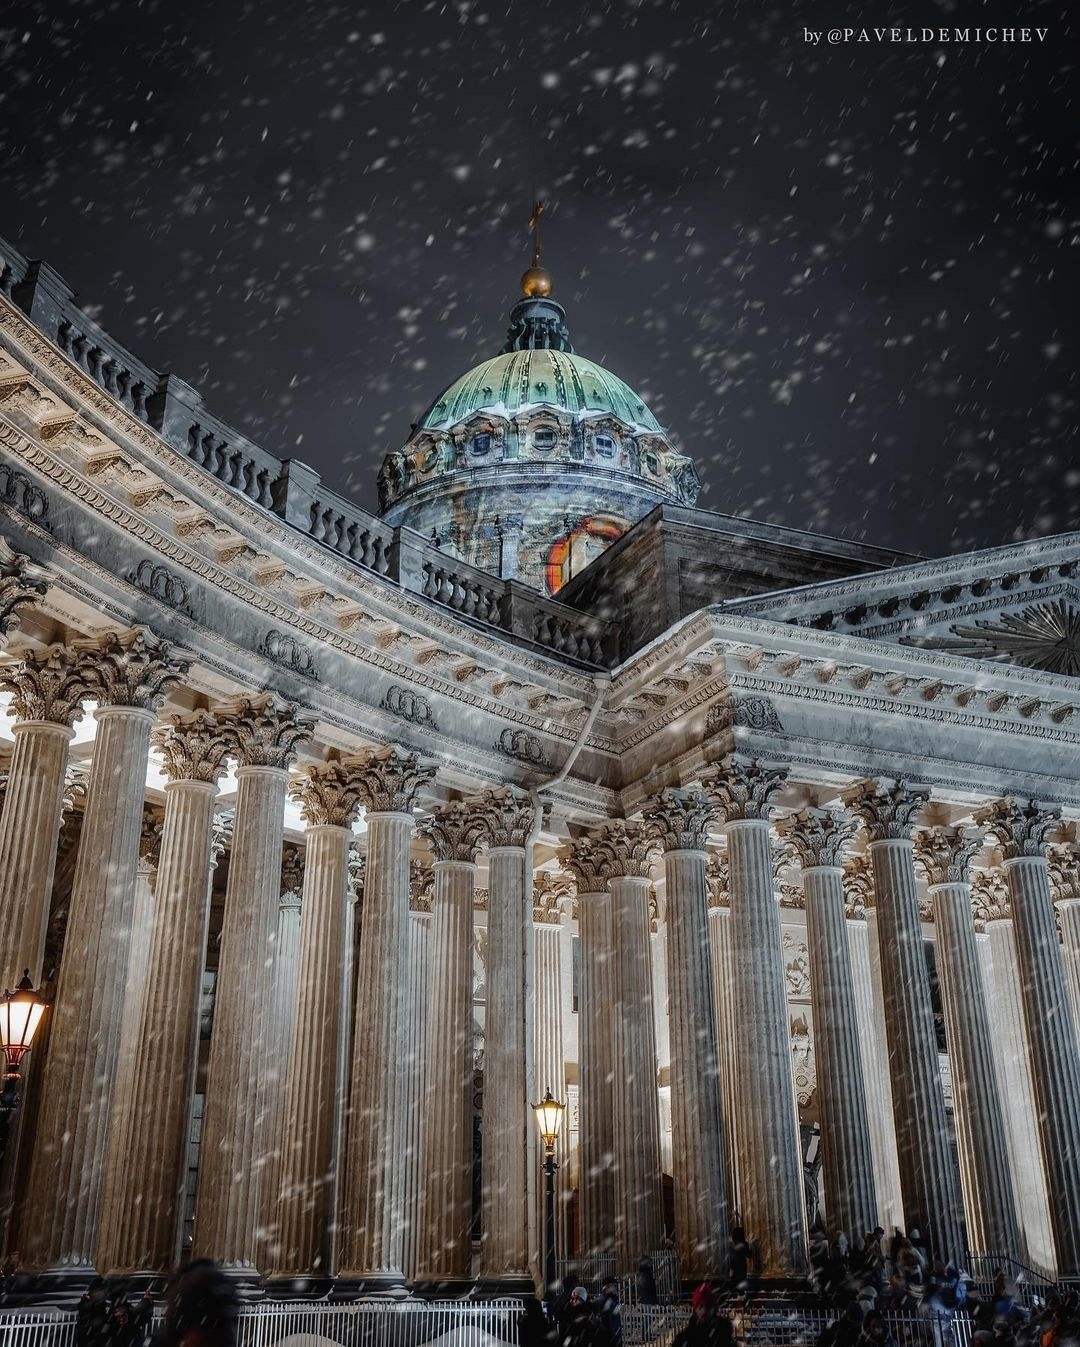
(297, 1181)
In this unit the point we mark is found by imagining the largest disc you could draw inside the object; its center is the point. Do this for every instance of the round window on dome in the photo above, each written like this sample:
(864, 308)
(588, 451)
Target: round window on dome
(480, 445)
(544, 438)
(606, 446)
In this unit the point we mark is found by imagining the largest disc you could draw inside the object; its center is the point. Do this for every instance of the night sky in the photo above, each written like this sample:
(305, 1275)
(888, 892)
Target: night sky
(846, 277)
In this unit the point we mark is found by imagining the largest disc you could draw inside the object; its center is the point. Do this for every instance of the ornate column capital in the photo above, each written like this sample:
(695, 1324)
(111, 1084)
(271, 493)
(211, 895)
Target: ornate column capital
(129, 668)
(888, 812)
(629, 849)
(678, 820)
(554, 891)
(194, 747)
(1021, 828)
(742, 788)
(508, 814)
(20, 588)
(328, 793)
(586, 859)
(456, 831)
(46, 685)
(264, 731)
(718, 879)
(357, 868)
(389, 779)
(819, 837)
(292, 874)
(858, 886)
(421, 886)
(989, 898)
(944, 855)
(1064, 867)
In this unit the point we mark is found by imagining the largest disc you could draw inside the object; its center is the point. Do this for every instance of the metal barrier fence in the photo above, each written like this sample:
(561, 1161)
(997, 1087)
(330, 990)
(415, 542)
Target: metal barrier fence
(474, 1324)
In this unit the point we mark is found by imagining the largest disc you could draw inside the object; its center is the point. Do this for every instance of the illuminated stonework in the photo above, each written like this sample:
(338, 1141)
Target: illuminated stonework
(535, 461)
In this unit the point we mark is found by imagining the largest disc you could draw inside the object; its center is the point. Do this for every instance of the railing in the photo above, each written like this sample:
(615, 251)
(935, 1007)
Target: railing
(289, 488)
(473, 1323)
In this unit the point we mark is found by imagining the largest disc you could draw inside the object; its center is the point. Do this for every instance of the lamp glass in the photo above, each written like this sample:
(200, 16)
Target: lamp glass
(20, 1015)
(549, 1115)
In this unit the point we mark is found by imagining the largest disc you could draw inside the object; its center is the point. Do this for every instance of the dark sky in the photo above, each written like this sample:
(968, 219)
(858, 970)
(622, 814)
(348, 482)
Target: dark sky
(847, 277)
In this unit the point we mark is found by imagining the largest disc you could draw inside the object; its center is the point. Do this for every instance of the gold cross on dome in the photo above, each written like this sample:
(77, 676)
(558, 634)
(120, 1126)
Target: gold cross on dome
(534, 224)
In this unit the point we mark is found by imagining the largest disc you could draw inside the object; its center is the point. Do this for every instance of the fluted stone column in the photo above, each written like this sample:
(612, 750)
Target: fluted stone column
(284, 971)
(722, 954)
(862, 942)
(329, 796)
(639, 1210)
(1023, 831)
(680, 822)
(550, 1055)
(989, 1204)
(508, 1044)
(264, 733)
(339, 1217)
(851, 1205)
(922, 1139)
(373, 1248)
(596, 1119)
(47, 690)
(1018, 1090)
(127, 673)
(770, 1161)
(1069, 913)
(148, 1146)
(454, 834)
(413, 1086)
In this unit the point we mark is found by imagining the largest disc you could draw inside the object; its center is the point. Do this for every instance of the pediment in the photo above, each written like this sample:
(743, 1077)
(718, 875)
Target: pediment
(1018, 604)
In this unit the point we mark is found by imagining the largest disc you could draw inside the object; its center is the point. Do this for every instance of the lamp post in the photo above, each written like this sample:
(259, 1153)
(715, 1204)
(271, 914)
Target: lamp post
(20, 1015)
(549, 1115)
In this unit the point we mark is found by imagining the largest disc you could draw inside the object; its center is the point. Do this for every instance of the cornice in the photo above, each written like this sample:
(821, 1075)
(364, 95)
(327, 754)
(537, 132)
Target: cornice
(159, 545)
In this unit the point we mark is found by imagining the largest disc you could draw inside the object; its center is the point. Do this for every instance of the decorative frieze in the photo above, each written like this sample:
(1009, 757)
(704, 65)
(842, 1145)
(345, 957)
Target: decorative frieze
(409, 705)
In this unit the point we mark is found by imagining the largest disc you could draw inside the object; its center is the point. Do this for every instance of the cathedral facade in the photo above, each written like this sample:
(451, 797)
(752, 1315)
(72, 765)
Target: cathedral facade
(335, 839)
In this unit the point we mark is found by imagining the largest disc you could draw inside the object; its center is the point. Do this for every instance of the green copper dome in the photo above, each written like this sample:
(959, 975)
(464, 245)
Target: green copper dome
(520, 379)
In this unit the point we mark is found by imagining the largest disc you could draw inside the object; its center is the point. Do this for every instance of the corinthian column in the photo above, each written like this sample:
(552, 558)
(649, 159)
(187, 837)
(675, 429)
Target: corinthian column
(508, 1044)
(1065, 887)
(639, 1211)
(127, 673)
(771, 1172)
(263, 734)
(379, 1110)
(551, 892)
(922, 1139)
(1023, 831)
(989, 1206)
(149, 1140)
(329, 796)
(454, 834)
(680, 823)
(46, 689)
(820, 839)
(587, 861)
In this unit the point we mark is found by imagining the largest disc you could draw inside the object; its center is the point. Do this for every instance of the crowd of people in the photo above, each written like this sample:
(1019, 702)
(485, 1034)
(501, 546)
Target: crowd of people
(200, 1310)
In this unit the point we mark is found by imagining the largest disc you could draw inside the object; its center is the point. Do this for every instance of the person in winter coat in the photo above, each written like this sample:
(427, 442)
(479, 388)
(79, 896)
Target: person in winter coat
(647, 1293)
(200, 1308)
(92, 1316)
(581, 1325)
(706, 1328)
(128, 1323)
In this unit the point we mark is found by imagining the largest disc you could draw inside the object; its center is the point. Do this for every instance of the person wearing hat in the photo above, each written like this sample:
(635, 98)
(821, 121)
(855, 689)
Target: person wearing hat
(581, 1325)
(707, 1328)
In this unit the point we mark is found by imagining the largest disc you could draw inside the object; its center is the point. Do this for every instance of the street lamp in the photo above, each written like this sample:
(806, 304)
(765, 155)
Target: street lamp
(20, 1015)
(549, 1115)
